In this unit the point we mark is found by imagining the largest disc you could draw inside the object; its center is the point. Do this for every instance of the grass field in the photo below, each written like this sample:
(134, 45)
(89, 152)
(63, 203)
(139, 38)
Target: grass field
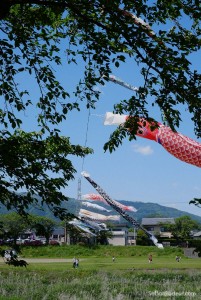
(131, 276)
(98, 251)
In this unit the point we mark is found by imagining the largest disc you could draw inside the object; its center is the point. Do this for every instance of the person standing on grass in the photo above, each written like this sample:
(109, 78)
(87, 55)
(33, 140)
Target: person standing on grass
(13, 254)
(7, 255)
(77, 262)
(178, 258)
(74, 262)
(150, 258)
(113, 259)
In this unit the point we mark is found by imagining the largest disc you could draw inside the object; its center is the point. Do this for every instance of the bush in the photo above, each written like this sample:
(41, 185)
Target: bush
(33, 243)
(54, 243)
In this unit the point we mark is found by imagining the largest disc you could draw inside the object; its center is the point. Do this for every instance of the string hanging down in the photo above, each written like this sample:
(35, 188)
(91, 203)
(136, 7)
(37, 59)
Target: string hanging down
(79, 188)
(119, 210)
(86, 135)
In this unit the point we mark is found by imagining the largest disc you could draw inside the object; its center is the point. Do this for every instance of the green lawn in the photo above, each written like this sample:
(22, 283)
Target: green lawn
(131, 276)
(98, 251)
(122, 263)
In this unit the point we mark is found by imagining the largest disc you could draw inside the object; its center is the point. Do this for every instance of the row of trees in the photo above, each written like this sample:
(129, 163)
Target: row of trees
(102, 35)
(13, 225)
(181, 230)
(183, 227)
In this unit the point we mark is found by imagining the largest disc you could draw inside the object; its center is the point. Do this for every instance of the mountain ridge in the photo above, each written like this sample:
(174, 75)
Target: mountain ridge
(144, 210)
(148, 209)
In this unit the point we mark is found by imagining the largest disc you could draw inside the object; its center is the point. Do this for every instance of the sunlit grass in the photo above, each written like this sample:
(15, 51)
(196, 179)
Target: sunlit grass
(104, 285)
(96, 251)
(131, 276)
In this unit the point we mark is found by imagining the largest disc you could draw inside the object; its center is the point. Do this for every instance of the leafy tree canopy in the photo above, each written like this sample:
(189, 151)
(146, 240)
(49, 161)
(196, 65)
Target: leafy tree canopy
(103, 236)
(13, 225)
(43, 226)
(183, 227)
(160, 36)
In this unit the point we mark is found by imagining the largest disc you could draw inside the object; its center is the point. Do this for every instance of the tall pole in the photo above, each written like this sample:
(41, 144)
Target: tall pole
(134, 233)
(67, 234)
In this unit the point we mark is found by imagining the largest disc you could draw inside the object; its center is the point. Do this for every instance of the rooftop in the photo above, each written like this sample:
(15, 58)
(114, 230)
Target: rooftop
(157, 221)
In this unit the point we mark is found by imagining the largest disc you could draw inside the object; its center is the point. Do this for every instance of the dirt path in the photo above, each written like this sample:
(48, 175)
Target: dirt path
(47, 260)
(43, 260)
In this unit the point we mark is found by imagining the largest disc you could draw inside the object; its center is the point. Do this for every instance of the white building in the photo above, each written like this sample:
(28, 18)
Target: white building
(120, 235)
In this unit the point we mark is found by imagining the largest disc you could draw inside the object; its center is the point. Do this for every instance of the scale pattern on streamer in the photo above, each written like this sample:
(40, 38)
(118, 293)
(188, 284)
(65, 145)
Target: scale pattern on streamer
(180, 146)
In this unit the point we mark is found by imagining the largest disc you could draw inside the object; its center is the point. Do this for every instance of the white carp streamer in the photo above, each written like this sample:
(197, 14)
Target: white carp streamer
(94, 216)
(81, 226)
(96, 206)
(117, 80)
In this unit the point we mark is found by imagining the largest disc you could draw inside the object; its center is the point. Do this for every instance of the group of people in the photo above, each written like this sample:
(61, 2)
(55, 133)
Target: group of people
(75, 262)
(150, 259)
(10, 255)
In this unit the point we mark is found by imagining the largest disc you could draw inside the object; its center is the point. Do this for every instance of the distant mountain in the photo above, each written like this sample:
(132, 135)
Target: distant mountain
(144, 210)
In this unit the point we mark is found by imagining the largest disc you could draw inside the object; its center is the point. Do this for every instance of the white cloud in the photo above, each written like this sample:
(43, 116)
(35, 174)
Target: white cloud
(144, 150)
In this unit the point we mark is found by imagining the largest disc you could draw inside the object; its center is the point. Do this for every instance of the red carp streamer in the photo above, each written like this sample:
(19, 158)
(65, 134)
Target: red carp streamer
(178, 145)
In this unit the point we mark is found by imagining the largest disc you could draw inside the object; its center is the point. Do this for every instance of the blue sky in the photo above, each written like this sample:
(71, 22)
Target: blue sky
(140, 170)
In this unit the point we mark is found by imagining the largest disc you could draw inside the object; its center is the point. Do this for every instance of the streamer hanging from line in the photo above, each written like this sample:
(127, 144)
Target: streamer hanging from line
(94, 216)
(119, 210)
(80, 222)
(94, 197)
(96, 206)
(175, 143)
(143, 25)
(81, 226)
(123, 83)
(138, 21)
(97, 197)
(94, 225)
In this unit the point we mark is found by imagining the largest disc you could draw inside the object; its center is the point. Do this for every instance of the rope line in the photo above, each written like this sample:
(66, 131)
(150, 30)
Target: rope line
(86, 136)
(79, 190)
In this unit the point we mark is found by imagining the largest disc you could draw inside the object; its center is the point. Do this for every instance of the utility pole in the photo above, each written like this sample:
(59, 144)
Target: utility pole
(67, 234)
(79, 189)
(134, 236)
